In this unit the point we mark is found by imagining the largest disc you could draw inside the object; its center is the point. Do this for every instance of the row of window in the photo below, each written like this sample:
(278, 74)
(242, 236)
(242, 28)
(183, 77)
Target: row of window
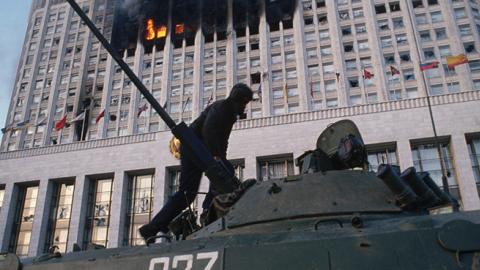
(285, 40)
(140, 194)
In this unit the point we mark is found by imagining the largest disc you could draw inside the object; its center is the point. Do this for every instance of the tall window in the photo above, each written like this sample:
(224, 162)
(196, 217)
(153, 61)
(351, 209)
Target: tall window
(23, 224)
(426, 159)
(275, 168)
(174, 183)
(98, 216)
(59, 222)
(239, 166)
(474, 149)
(140, 195)
(381, 155)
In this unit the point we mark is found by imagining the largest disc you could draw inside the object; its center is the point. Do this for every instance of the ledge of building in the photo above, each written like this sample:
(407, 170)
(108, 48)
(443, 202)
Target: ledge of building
(257, 123)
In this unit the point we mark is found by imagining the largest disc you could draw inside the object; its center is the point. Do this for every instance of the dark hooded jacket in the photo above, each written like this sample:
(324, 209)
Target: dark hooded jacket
(215, 123)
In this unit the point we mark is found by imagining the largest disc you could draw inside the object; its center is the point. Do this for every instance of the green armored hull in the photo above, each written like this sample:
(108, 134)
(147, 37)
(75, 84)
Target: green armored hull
(332, 220)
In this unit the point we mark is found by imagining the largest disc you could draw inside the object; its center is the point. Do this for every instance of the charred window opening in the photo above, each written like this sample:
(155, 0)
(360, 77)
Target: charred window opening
(380, 9)
(242, 48)
(320, 3)
(148, 49)
(214, 19)
(280, 10)
(185, 22)
(241, 32)
(308, 20)
(255, 77)
(245, 14)
(126, 25)
(131, 52)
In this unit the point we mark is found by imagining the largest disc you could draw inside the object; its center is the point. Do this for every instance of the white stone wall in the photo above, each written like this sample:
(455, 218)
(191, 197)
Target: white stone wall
(453, 119)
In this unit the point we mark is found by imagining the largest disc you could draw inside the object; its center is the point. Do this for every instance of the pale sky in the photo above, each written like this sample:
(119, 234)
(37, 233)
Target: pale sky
(13, 24)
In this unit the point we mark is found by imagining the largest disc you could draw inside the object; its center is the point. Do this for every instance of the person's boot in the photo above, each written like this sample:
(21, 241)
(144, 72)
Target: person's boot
(147, 232)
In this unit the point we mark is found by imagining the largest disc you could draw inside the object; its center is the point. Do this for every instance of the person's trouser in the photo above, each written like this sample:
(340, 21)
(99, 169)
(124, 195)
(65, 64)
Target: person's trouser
(190, 176)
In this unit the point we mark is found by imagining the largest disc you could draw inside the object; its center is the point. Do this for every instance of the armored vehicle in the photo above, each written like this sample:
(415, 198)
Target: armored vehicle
(334, 215)
(321, 219)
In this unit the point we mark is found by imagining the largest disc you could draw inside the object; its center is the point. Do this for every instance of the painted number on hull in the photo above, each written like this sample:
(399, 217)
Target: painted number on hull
(188, 258)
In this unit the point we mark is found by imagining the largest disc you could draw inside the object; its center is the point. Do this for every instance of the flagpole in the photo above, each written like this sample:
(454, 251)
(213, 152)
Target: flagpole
(442, 161)
(446, 188)
(365, 91)
(83, 124)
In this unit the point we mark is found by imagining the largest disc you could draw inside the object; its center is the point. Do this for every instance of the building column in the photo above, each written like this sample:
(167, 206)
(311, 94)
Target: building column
(302, 71)
(337, 53)
(198, 90)
(118, 209)
(40, 222)
(463, 71)
(102, 127)
(464, 173)
(265, 61)
(79, 212)
(231, 53)
(415, 54)
(377, 56)
(250, 170)
(7, 215)
(167, 70)
(404, 152)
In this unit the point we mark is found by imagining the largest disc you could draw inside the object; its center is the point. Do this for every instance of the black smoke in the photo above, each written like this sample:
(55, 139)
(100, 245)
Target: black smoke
(209, 15)
(279, 10)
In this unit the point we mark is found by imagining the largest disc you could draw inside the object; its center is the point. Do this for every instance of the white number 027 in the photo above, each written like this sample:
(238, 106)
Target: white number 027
(165, 261)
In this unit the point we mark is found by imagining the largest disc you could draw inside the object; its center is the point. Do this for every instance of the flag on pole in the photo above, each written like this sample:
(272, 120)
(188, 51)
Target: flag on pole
(186, 103)
(61, 124)
(79, 117)
(41, 123)
(21, 124)
(429, 65)
(142, 109)
(367, 74)
(100, 116)
(456, 60)
(210, 99)
(394, 71)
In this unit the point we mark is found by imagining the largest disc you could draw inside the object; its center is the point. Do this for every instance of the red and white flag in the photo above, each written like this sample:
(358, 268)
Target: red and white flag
(394, 71)
(142, 109)
(61, 124)
(100, 116)
(367, 74)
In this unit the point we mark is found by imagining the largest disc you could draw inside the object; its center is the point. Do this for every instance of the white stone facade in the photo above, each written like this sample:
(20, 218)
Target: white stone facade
(277, 126)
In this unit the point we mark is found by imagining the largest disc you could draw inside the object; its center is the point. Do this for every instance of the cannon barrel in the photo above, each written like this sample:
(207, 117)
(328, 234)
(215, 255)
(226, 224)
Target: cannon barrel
(444, 197)
(426, 197)
(403, 193)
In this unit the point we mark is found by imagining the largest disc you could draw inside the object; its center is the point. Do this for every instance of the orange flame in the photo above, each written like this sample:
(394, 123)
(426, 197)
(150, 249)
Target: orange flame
(179, 28)
(150, 31)
(162, 32)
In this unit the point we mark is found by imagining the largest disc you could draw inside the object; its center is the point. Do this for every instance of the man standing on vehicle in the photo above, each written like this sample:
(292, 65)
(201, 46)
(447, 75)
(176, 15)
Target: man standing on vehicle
(213, 127)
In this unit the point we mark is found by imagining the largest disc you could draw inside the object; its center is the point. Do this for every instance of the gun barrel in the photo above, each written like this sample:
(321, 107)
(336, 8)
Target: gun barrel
(427, 198)
(403, 193)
